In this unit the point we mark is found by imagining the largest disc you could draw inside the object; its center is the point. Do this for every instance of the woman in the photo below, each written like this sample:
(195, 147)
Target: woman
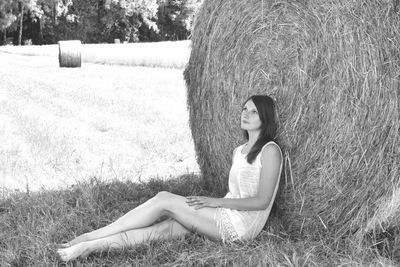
(240, 215)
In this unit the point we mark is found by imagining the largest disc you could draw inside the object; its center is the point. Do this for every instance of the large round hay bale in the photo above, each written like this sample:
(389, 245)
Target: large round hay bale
(70, 53)
(333, 67)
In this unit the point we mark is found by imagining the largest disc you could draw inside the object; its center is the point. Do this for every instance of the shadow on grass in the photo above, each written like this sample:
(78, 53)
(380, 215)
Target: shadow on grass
(32, 224)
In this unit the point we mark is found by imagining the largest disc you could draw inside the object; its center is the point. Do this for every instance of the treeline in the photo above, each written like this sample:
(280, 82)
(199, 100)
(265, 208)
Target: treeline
(95, 21)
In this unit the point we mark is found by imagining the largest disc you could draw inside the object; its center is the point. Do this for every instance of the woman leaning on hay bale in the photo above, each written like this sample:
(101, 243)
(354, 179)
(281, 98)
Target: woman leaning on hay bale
(240, 215)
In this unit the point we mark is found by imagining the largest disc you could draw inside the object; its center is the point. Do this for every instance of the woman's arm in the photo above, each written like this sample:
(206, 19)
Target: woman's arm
(270, 171)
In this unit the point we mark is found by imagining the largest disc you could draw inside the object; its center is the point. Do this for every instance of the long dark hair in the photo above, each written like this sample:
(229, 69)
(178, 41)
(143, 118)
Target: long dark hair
(266, 111)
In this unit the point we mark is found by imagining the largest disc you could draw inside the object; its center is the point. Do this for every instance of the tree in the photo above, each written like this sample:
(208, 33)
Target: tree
(124, 18)
(104, 20)
(175, 18)
(24, 6)
(6, 17)
(47, 13)
(93, 21)
(12, 14)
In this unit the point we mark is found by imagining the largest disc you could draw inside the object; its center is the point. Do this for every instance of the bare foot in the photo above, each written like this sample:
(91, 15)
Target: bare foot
(75, 241)
(63, 245)
(73, 252)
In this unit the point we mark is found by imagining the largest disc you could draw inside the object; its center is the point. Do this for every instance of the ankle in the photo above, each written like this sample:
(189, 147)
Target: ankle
(85, 248)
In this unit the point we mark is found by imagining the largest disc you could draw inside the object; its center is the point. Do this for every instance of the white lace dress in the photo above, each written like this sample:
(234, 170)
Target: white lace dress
(243, 183)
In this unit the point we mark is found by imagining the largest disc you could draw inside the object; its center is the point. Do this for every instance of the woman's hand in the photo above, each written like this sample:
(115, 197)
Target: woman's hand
(201, 202)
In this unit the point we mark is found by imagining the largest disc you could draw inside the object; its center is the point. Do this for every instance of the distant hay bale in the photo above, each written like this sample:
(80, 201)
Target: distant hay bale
(70, 54)
(117, 41)
(333, 67)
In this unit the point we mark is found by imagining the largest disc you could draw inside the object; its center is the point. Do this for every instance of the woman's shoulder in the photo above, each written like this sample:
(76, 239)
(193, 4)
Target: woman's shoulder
(273, 144)
(271, 148)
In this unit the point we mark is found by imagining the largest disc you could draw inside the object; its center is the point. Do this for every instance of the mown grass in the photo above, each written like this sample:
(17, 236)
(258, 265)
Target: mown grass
(159, 54)
(59, 126)
(31, 226)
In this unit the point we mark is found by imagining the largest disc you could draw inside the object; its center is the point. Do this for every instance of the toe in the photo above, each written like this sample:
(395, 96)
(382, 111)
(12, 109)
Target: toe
(61, 256)
(63, 245)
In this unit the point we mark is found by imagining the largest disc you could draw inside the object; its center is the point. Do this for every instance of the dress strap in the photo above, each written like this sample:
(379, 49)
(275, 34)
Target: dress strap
(280, 151)
(272, 142)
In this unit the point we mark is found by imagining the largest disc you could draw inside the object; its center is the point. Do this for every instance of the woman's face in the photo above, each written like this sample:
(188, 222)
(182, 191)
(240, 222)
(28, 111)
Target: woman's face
(250, 120)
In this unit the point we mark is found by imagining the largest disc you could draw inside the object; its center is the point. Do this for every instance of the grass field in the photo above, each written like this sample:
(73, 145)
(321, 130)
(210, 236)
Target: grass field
(160, 54)
(80, 147)
(59, 126)
(32, 224)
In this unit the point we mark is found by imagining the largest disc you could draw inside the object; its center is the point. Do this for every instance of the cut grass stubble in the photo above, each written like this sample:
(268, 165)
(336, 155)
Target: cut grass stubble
(159, 54)
(32, 224)
(59, 126)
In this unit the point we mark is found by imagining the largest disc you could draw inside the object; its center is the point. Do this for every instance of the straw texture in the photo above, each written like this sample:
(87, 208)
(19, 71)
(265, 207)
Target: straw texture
(70, 54)
(333, 67)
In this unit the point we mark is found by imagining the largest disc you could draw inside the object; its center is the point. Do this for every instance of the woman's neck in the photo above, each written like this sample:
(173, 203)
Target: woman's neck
(253, 136)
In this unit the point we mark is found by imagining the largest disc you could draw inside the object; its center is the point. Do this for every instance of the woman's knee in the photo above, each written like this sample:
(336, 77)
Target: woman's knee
(163, 196)
(167, 201)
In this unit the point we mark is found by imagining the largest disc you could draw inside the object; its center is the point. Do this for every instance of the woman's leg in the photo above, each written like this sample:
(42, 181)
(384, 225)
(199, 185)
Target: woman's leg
(142, 216)
(164, 203)
(164, 230)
